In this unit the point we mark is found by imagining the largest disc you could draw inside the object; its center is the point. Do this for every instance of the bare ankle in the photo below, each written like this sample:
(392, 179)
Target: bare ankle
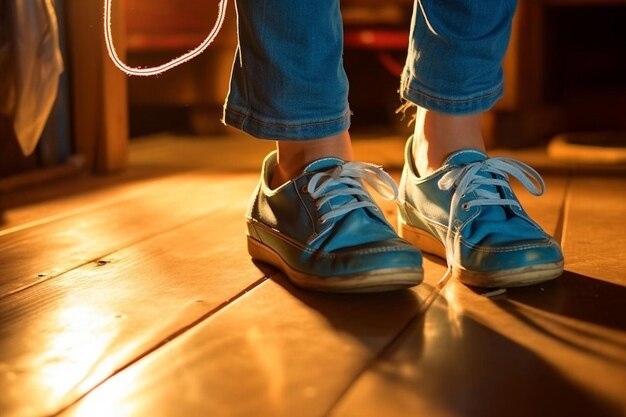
(294, 156)
(437, 135)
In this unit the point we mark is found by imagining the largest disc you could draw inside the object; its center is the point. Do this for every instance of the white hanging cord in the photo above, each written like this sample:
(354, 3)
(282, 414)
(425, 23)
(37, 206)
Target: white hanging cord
(147, 71)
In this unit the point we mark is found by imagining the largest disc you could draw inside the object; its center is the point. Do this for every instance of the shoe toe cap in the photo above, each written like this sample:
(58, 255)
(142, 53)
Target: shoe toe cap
(375, 256)
(520, 254)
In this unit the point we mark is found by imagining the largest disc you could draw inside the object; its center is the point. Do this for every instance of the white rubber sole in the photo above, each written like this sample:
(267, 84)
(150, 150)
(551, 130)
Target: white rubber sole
(383, 280)
(516, 277)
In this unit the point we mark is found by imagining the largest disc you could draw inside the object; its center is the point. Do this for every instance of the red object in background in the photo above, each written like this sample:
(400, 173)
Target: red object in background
(167, 26)
(377, 39)
(382, 41)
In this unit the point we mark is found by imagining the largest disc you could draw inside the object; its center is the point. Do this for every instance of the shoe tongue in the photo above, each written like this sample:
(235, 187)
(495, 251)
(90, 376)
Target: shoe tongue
(464, 157)
(323, 164)
(358, 216)
(468, 156)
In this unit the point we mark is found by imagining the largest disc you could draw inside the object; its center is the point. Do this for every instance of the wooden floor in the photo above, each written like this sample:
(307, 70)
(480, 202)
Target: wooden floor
(133, 295)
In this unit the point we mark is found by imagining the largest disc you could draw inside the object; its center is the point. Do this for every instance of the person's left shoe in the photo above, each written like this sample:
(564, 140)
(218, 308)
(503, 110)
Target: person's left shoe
(467, 213)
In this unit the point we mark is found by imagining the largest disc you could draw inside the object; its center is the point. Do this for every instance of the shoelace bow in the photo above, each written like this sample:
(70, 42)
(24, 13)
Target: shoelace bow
(322, 188)
(467, 179)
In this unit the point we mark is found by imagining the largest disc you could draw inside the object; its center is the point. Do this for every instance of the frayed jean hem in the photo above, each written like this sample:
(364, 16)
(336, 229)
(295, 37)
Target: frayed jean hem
(262, 128)
(476, 103)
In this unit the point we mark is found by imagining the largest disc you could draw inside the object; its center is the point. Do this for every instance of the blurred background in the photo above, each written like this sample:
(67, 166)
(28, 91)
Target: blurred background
(564, 80)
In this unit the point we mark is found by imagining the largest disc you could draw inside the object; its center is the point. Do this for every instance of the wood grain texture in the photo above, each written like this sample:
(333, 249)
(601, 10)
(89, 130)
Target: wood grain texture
(61, 338)
(546, 210)
(549, 350)
(595, 233)
(99, 89)
(505, 357)
(62, 198)
(275, 352)
(169, 317)
(31, 255)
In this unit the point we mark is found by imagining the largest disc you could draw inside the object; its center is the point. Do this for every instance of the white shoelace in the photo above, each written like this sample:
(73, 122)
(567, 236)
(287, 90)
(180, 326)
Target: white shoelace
(467, 179)
(320, 187)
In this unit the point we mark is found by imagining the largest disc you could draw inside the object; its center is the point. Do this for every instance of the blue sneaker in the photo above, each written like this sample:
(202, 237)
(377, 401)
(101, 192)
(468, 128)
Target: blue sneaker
(467, 213)
(324, 231)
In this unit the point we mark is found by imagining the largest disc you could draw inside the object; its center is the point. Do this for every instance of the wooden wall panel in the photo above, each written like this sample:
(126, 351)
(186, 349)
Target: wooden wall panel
(99, 90)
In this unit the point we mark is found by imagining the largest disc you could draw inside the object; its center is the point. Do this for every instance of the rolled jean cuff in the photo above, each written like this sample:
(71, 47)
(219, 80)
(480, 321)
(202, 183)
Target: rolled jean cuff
(264, 128)
(478, 102)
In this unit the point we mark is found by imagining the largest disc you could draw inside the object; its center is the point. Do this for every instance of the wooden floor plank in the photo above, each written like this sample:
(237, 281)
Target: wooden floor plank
(548, 350)
(480, 357)
(170, 304)
(61, 338)
(238, 152)
(37, 253)
(48, 202)
(276, 352)
(151, 158)
(595, 232)
(547, 210)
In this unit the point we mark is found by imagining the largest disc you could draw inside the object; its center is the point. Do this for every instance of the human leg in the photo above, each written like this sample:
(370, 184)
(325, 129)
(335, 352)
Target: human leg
(454, 200)
(292, 156)
(288, 81)
(439, 134)
(310, 215)
(454, 73)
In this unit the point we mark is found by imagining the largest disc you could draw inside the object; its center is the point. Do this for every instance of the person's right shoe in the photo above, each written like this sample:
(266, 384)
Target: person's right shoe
(325, 232)
(467, 213)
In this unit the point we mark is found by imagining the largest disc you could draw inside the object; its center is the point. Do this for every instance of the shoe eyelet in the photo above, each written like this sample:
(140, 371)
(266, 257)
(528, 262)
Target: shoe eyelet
(465, 207)
(304, 189)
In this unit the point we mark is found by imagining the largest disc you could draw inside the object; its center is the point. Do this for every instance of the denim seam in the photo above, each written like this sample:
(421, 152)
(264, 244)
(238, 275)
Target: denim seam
(251, 117)
(491, 93)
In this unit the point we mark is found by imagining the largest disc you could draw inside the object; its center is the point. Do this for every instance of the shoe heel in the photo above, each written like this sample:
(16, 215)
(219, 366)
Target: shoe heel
(421, 239)
(262, 253)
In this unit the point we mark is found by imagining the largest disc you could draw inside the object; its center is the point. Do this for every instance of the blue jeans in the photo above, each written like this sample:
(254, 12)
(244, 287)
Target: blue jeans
(288, 81)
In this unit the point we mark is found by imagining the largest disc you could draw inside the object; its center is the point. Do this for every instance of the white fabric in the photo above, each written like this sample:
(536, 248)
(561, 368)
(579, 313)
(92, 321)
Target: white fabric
(38, 64)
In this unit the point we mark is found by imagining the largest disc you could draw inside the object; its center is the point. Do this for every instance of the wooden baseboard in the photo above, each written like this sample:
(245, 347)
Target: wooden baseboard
(74, 166)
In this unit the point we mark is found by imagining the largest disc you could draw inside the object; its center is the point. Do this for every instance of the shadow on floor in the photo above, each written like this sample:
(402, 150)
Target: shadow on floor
(373, 318)
(578, 297)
